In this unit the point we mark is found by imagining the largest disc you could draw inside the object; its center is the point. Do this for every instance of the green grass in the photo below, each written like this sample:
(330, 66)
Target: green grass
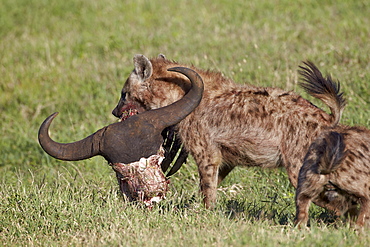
(74, 56)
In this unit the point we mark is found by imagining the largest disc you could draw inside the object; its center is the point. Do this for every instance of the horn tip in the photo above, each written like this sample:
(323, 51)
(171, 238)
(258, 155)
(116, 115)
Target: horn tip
(52, 116)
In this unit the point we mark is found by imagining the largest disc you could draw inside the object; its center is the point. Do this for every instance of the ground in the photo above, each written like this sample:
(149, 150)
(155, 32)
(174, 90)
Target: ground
(74, 56)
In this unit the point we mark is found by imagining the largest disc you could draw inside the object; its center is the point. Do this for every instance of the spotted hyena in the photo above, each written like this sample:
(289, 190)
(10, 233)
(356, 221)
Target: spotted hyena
(234, 125)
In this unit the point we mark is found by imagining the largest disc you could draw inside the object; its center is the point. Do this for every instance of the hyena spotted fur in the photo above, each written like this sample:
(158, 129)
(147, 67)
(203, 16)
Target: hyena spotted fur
(234, 125)
(336, 171)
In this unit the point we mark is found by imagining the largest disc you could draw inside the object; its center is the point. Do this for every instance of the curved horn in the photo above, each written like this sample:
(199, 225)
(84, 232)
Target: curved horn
(112, 139)
(177, 111)
(83, 149)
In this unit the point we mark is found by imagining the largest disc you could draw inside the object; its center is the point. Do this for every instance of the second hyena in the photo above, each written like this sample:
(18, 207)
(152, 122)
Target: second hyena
(336, 172)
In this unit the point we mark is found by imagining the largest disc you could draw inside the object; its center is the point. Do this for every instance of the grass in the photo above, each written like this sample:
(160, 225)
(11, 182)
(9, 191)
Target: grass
(74, 56)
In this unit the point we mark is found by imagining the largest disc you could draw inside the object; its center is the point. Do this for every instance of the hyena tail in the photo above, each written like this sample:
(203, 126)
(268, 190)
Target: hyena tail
(332, 152)
(324, 89)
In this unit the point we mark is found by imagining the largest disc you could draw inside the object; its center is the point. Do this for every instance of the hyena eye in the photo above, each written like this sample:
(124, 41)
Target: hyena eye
(123, 95)
(145, 85)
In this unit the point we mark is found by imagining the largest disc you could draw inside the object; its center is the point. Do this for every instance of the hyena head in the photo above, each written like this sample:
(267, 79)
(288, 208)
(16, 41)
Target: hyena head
(150, 86)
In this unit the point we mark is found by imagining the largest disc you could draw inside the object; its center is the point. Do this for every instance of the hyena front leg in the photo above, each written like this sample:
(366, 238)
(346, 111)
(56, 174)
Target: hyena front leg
(208, 166)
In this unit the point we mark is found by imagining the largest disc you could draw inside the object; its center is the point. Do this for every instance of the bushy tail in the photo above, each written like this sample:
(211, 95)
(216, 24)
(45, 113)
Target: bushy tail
(324, 89)
(332, 148)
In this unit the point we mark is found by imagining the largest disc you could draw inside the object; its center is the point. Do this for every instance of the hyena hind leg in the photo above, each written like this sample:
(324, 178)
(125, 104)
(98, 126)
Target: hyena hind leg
(303, 203)
(364, 214)
(310, 185)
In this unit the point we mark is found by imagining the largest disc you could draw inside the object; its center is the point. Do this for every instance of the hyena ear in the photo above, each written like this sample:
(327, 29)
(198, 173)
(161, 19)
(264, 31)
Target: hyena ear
(162, 56)
(143, 67)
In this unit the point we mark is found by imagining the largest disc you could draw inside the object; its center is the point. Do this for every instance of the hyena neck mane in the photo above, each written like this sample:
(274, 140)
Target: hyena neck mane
(175, 85)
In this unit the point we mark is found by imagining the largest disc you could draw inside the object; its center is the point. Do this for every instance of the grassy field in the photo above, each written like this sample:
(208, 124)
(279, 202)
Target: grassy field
(74, 56)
